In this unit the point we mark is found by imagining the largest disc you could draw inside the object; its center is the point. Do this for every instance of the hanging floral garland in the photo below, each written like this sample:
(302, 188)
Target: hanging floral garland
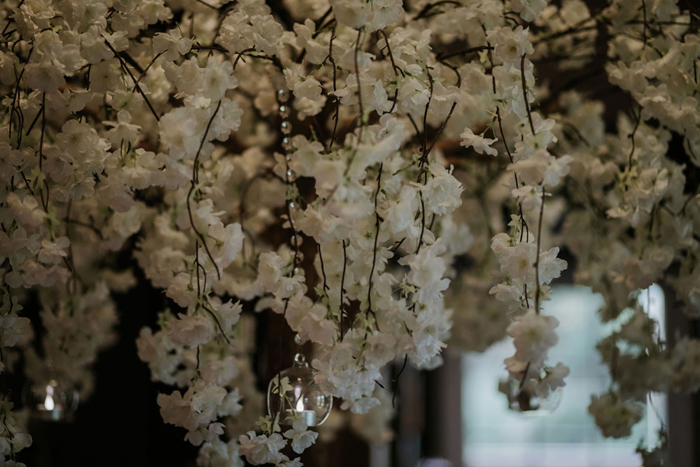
(337, 164)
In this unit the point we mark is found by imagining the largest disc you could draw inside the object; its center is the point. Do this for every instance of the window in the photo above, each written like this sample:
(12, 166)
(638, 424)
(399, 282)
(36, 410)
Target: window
(494, 436)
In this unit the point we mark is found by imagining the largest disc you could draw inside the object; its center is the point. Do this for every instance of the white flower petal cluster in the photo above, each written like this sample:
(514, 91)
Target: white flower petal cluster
(533, 335)
(12, 437)
(301, 436)
(480, 144)
(197, 410)
(87, 321)
(265, 449)
(615, 417)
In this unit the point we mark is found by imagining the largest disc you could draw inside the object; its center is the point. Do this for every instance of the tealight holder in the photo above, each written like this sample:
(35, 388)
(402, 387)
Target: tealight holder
(52, 401)
(301, 397)
(526, 401)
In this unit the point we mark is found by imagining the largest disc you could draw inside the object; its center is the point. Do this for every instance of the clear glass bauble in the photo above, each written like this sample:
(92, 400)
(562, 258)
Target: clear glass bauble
(302, 397)
(53, 401)
(526, 401)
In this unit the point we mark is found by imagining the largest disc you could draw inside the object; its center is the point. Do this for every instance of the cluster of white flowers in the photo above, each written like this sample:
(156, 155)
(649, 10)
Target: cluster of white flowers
(629, 211)
(633, 204)
(165, 127)
(526, 270)
(615, 417)
(12, 438)
(87, 322)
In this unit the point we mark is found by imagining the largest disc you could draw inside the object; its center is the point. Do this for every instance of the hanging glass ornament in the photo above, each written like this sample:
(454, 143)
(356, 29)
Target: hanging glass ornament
(301, 397)
(526, 400)
(53, 401)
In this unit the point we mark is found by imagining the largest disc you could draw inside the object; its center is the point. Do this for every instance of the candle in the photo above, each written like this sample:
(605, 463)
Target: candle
(309, 416)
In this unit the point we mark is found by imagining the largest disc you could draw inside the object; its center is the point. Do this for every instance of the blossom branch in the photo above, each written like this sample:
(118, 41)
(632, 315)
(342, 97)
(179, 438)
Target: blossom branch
(537, 260)
(194, 182)
(359, 85)
(342, 289)
(133, 78)
(527, 104)
(335, 88)
(216, 320)
(374, 250)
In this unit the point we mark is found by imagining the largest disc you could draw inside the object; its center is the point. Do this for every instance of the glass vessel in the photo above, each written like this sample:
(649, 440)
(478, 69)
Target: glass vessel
(526, 401)
(52, 401)
(301, 397)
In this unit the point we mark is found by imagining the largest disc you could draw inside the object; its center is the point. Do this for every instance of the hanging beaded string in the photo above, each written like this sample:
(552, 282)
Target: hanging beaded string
(290, 176)
(290, 205)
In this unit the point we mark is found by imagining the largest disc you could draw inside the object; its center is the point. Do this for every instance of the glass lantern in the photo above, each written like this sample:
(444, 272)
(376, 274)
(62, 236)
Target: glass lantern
(52, 401)
(301, 397)
(526, 401)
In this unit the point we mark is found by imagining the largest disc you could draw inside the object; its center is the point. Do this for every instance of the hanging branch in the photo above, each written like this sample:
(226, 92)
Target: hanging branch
(44, 200)
(374, 251)
(637, 121)
(342, 290)
(196, 263)
(11, 20)
(359, 86)
(145, 70)
(336, 114)
(195, 181)
(216, 320)
(196, 369)
(15, 107)
(424, 160)
(524, 377)
(537, 261)
(527, 104)
(424, 149)
(396, 69)
(396, 381)
(36, 117)
(523, 224)
(422, 221)
(361, 117)
(644, 30)
(323, 269)
(43, 130)
(125, 67)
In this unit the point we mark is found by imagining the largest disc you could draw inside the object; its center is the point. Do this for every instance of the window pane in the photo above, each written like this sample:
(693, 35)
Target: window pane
(495, 436)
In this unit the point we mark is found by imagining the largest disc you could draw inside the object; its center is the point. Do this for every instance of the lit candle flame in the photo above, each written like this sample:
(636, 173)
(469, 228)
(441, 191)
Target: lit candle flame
(300, 405)
(48, 402)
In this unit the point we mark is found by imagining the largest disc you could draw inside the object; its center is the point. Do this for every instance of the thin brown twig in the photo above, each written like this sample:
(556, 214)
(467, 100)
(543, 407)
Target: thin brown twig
(218, 323)
(527, 104)
(537, 261)
(342, 289)
(376, 240)
(359, 88)
(145, 70)
(195, 180)
(336, 115)
(133, 78)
